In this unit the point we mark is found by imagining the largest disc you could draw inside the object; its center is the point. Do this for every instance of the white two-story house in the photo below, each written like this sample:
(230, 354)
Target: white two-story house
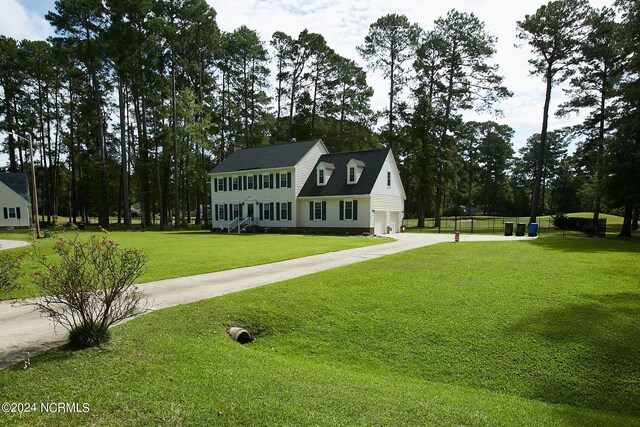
(301, 187)
(14, 200)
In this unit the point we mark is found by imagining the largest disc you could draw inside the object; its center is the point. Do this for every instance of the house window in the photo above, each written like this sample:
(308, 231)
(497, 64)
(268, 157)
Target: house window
(348, 209)
(352, 175)
(388, 179)
(266, 212)
(320, 176)
(236, 211)
(283, 180)
(221, 184)
(283, 211)
(234, 184)
(317, 210)
(265, 181)
(250, 182)
(12, 212)
(221, 212)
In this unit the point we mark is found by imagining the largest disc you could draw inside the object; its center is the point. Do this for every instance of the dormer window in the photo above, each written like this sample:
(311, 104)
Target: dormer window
(323, 173)
(354, 170)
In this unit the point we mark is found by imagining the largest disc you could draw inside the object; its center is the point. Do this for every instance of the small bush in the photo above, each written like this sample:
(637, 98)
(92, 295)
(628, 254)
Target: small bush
(88, 335)
(9, 271)
(89, 287)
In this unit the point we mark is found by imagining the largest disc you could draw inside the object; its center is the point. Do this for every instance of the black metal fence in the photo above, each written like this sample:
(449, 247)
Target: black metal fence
(471, 224)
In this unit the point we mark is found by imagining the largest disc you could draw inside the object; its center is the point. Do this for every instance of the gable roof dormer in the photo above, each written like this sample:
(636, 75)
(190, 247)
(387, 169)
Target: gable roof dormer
(355, 168)
(323, 172)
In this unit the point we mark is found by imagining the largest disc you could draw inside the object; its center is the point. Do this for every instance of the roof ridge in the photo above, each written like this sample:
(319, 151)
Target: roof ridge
(357, 151)
(277, 145)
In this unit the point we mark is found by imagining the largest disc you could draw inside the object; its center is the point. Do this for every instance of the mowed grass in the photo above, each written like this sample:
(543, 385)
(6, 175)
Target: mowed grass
(543, 332)
(184, 253)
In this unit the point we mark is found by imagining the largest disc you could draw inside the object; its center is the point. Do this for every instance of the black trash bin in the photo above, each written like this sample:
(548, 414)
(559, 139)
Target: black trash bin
(508, 229)
(520, 229)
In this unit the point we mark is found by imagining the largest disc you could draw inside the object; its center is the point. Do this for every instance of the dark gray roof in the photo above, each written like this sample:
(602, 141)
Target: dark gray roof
(337, 183)
(265, 157)
(18, 182)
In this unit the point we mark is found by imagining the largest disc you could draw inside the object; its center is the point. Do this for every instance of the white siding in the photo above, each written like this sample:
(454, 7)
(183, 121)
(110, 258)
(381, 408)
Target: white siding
(392, 207)
(254, 197)
(304, 168)
(387, 202)
(333, 213)
(396, 188)
(10, 199)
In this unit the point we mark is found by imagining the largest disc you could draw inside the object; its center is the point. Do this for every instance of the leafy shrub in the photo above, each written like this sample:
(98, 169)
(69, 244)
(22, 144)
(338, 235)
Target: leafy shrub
(9, 271)
(88, 335)
(90, 286)
(585, 225)
(560, 221)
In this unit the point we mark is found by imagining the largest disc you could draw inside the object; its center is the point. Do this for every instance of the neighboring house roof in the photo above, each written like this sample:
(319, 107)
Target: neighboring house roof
(265, 157)
(18, 182)
(337, 184)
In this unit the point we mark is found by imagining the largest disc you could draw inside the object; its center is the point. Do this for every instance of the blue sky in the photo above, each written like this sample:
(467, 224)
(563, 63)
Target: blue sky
(344, 25)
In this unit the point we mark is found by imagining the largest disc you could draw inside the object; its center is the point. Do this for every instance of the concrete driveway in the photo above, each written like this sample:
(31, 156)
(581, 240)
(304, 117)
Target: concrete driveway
(23, 330)
(12, 244)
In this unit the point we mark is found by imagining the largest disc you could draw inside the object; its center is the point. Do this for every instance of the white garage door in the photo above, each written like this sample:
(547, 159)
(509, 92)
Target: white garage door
(394, 222)
(380, 223)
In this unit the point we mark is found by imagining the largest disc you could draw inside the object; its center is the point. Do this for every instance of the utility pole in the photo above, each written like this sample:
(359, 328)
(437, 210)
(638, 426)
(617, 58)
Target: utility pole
(33, 181)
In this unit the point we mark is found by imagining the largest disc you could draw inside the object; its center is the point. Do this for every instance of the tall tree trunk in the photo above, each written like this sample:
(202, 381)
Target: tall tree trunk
(628, 216)
(174, 115)
(535, 197)
(600, 152)
(124, 155)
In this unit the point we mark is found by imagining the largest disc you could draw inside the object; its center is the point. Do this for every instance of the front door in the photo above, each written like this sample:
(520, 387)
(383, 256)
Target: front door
(250, 210)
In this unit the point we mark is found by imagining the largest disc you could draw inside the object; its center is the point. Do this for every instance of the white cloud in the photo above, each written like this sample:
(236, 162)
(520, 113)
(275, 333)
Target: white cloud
(19, 23)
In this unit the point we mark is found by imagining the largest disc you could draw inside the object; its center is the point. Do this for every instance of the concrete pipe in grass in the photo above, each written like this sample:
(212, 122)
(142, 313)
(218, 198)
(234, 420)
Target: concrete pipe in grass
(240, 335)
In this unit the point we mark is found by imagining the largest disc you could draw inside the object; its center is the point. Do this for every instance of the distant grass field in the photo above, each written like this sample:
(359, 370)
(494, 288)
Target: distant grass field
(537, 332)
(184, 253)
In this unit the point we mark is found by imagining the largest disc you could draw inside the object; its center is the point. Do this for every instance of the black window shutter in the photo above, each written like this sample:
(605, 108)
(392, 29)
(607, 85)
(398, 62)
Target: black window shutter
(216, 208)
(6, 213)
(277, 180)
(215, 185)
(260, 208)
(324, 211)
(271, 211)
(355, 210)
(289, 211)
(224, 184)
(341, 210)
(230, 186)
(239, 183)
(288, 179)
(226, 212)
(244, 179)
(271, 180)
(18, 213)
(278, 211)
(311, 211)
(260, 183)
(255, 182)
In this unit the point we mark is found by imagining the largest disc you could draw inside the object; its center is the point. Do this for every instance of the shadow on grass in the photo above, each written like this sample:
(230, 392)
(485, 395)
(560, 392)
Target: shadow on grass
(594, 353)
(576, 243)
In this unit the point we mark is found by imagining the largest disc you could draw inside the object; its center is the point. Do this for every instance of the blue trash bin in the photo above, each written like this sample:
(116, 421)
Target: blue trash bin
(533, 229)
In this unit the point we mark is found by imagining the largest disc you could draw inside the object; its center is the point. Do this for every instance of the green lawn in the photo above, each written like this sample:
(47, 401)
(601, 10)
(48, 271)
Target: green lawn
(184, 253)
(538, 332)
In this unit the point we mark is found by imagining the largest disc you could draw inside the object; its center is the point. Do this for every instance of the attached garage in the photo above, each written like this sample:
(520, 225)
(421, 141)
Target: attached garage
(380, 222)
